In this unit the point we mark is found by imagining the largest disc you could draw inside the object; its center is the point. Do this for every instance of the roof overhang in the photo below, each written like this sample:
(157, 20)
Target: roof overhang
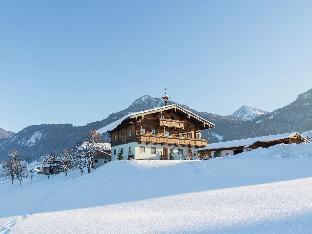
(111, 127)
(191, 114)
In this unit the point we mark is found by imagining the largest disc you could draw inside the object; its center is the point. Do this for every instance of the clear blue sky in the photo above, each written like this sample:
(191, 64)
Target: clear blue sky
(77, 61)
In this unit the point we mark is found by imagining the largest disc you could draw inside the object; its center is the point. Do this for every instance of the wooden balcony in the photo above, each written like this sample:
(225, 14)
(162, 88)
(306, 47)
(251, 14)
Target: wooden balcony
(170, 123)
(172, 140)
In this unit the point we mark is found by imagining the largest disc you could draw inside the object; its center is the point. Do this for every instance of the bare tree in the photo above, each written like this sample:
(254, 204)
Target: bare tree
(94, 137)
(15, 168)
(66, 159)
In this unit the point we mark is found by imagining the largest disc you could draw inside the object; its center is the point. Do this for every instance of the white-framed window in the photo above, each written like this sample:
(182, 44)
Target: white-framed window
(154, 132)
(153, 150)
(142, 131)
(142, 149)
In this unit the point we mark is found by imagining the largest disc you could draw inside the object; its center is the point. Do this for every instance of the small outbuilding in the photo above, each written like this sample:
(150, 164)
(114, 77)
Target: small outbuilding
(101, 152)
(238, 146)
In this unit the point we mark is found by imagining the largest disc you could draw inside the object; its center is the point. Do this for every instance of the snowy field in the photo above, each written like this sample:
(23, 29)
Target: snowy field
(263, 191)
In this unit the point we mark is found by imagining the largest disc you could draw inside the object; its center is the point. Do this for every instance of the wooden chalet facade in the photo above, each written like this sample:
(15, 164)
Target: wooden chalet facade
(238, 146)
(168, 132)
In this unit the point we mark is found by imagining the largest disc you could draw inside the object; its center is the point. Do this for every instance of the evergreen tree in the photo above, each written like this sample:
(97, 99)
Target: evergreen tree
(120, 155)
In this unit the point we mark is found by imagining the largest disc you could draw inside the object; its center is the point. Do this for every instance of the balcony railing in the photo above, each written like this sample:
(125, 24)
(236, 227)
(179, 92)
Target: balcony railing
(172, 140)
(170, 123)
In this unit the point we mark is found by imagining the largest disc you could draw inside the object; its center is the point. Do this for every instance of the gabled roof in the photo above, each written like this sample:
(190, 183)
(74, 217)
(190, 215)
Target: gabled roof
(134, 115)
(250, 141)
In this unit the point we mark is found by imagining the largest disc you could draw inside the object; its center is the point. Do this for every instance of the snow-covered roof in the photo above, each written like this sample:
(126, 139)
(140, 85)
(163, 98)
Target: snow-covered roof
(112, 125)
(99, 146)
(116, 123)
(249, 141)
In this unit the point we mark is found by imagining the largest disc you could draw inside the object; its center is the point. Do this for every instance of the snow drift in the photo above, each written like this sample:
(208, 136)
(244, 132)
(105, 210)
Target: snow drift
(266, 190)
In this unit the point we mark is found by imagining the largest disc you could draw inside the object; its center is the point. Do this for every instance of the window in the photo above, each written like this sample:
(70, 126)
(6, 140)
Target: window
(96, 161)
(167, 133)
(154, 132)
(129, 150)
(153, 150)
(142, 131)
(142, 149)
(130, 133)
(217, 154)
(198, 135)
(189, 135)
(115, 151)
(181, 151)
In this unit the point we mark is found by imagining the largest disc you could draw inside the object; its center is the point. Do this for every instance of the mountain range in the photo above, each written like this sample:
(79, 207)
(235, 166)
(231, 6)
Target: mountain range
(36, 140)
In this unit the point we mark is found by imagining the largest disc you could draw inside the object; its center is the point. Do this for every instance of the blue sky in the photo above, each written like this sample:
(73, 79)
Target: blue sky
(77, 61)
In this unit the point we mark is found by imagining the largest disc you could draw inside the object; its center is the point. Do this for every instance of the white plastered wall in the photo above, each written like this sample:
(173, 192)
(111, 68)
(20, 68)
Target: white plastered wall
(147, 155)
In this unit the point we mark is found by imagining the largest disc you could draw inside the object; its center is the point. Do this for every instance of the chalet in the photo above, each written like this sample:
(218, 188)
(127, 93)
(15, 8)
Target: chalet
(238, 146)
(167, 132)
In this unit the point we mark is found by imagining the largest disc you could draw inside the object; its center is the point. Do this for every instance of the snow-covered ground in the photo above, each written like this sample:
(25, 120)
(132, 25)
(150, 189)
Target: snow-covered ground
(262, 191)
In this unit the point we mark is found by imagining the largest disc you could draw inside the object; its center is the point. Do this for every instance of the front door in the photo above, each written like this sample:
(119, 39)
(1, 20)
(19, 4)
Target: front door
(165, 154)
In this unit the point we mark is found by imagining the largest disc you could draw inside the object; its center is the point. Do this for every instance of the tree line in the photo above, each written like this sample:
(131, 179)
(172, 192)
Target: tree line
(80, 157)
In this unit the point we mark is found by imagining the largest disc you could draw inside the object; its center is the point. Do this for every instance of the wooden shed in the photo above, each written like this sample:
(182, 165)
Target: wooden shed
(238, 146)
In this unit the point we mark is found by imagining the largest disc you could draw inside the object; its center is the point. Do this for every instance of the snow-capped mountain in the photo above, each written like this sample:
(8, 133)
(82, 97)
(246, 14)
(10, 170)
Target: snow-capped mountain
(5, 134)
(248, 113)
(36, 140)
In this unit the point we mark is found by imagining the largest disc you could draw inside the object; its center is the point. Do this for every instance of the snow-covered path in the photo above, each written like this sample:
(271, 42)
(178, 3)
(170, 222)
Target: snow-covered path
(266, 191)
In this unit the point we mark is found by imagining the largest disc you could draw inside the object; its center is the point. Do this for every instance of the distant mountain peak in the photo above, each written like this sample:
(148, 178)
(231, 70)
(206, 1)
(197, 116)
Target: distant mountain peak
(305, 96)
(247, 113)
(144, 98)
(4, 134)
(149, 101)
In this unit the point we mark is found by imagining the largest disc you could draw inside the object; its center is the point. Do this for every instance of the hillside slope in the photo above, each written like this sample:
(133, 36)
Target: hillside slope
(269, 187)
